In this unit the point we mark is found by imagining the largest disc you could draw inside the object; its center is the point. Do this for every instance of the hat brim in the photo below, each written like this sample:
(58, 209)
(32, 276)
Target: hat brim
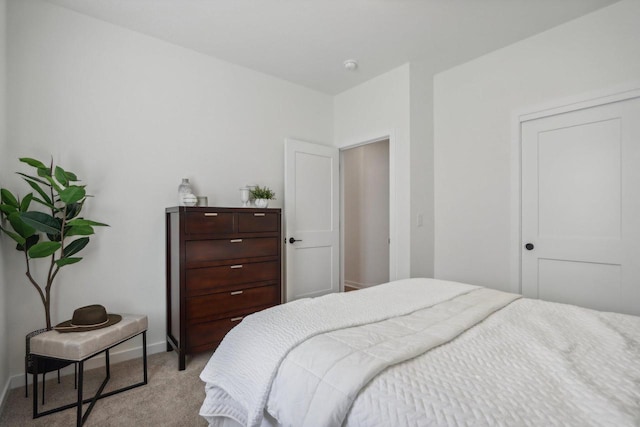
(68, 327)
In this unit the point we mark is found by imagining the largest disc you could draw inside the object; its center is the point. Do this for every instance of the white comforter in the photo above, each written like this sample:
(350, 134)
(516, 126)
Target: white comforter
(531, 363)
(239, 375)
(319, 379)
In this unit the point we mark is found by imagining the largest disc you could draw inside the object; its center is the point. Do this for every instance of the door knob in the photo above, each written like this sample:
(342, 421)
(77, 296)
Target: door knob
(292, 240)
(529, 246)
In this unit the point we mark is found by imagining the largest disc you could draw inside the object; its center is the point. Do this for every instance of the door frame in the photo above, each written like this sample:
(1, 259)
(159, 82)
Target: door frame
(622, 92)
(393, 211)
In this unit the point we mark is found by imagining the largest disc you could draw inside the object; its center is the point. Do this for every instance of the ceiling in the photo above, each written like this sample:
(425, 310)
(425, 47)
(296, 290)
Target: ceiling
(307, 41)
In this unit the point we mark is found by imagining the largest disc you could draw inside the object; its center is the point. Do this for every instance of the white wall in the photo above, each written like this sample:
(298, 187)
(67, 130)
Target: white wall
(373, 110)
(421, 88)
(132, 115)
(351, 168)
(4, 244)
(366, 214)
(473, 111)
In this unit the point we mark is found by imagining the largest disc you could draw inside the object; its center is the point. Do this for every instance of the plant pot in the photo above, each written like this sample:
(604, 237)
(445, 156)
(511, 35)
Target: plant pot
(262, 203)
(44, 365)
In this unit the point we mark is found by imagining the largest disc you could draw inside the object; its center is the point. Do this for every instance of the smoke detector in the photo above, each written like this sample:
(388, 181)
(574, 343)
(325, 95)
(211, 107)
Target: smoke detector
(350, 65)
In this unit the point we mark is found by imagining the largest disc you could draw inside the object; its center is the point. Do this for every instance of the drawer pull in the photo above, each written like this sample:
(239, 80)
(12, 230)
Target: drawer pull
(236, 240)
(237, 266)
(259, 214)
(236, 292)
(211, 214)
(237, 319)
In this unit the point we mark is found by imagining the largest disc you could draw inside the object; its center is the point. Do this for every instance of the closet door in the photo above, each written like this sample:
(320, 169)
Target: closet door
(581, 207)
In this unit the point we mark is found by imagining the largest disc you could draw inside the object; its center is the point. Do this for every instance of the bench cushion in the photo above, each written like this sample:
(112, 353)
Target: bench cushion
(78, 346)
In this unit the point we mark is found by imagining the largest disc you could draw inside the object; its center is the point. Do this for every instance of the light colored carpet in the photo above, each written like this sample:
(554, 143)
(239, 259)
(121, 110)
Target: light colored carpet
(171, 397)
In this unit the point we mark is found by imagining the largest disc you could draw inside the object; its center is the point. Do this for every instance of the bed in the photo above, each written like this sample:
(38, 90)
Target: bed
(426, 352)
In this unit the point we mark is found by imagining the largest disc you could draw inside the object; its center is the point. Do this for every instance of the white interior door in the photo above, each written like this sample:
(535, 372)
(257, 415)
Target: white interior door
(581, 207)
(312, 216)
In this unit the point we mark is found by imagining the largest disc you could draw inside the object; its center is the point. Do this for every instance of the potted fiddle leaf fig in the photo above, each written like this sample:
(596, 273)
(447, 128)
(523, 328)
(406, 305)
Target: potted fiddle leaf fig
(46, 224)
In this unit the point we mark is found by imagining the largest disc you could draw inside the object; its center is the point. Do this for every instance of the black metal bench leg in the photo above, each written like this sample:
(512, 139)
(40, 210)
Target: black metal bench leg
(98, 394)
(106, 360)
(44, 374)
(35, 386)
(144, 354)
(26, 385)
(80, 380)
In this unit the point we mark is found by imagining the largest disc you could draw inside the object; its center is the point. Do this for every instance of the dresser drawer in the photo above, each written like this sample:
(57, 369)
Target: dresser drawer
(257, 222)
(209, 333)
(207, 280)
(215, 305)
(215, 250)
(208, 222)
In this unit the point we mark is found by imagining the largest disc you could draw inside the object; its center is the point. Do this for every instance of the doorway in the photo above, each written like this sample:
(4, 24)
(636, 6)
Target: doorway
(365, 213)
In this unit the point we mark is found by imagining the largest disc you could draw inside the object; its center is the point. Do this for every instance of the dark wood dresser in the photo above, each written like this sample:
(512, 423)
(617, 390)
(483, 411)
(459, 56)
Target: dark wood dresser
(222, 264)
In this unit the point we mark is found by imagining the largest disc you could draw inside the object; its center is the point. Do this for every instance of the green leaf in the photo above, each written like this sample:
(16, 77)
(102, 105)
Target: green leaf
(74, 209)
(44, 249)
(61, 176)
(52, 182)
(40, 191)
(72, 194)
(66, 261)
(19, 226)
(71, 176)
(79, 230)
(26, 201)
(8, 198)
(33, 178)
(82, 221)
(44, 172)
(19, 239)
(8, 210)
(32, 162)
(75, 247)
(41, 222)
(43, 203)
(31, 240)
(54, 237)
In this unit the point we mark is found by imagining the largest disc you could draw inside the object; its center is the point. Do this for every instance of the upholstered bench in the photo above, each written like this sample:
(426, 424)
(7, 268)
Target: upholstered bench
(82, 346)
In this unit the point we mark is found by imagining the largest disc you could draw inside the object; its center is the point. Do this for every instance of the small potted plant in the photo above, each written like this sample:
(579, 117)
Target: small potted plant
(262, 195)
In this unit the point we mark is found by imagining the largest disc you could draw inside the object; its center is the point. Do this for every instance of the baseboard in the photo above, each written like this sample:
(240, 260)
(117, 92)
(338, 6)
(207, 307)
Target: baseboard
(98, 361)
(4, 394)
(353, 284)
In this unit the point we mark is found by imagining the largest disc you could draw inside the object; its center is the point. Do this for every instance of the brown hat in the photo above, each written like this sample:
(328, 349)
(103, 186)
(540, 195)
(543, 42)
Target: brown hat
(87, 319)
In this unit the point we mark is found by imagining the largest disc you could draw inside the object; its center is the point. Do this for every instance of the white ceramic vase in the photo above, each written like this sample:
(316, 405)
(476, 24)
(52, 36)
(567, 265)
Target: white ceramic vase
(262, 203)
(244, 196)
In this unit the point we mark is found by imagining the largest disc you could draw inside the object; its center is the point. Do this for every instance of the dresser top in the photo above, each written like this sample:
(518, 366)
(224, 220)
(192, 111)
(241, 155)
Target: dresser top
(219, 209)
